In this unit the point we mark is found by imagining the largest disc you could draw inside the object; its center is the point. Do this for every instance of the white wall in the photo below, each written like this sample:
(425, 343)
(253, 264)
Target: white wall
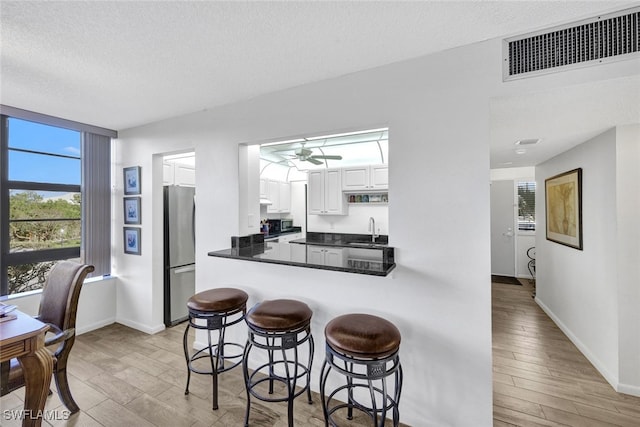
(437, 110)
(592, 294)
(96, 307)
(628, 255)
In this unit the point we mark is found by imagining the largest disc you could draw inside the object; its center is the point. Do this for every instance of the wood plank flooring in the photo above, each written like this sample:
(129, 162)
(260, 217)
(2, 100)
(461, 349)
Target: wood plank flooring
(540, 378)
(122, 377)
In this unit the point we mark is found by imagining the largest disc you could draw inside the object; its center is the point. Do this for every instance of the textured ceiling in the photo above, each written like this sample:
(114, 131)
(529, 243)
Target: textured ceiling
(120, 64)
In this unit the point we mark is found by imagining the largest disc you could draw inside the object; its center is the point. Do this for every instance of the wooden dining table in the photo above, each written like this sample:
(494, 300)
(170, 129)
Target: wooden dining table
(23, 337)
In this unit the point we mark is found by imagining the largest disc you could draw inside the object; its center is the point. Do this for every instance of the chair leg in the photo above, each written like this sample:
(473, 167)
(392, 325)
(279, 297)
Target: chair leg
(63, 390)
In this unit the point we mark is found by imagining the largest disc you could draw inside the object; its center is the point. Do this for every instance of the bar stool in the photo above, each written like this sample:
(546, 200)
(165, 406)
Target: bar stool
(280, 327)
(214, 310)
(363, 348)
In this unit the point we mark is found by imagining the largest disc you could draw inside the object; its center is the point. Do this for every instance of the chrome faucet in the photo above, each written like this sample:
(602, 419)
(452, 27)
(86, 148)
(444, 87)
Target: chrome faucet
(372, 229)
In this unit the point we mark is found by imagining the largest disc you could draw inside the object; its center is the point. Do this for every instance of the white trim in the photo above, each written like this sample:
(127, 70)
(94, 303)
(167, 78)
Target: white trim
(611, 378)
(95, 325)
(633, 390)
(141, 327)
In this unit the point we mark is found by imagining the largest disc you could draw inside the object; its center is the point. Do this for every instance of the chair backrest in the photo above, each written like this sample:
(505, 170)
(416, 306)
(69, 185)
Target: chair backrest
(61, 292)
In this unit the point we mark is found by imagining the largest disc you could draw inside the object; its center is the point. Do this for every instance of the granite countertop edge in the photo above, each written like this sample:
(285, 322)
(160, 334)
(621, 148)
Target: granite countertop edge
(224, 254)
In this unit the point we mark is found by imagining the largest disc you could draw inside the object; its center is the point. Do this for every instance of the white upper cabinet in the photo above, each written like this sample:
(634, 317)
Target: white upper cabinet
(263, 189)
(370, 177)
(279, 193)
(284, 188)
(379, 177)
(178, 174)
(325, 192)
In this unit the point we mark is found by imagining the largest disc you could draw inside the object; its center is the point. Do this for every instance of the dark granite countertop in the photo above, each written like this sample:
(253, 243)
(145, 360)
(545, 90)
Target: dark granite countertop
(378, 261)
(284, 233)
(344, 240)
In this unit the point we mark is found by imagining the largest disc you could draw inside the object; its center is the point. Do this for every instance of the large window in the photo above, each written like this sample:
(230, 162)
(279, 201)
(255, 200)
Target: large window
(527, 205)
(45, 197)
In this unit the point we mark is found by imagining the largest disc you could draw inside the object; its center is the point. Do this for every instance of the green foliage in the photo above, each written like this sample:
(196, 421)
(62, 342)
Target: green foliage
(28, 277)
(63, 229)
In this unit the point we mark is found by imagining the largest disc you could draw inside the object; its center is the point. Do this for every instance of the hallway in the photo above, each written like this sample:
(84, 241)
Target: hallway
(540, 378)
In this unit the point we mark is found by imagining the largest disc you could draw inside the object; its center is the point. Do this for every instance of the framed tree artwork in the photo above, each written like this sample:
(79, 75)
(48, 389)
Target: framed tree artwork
(563, 197)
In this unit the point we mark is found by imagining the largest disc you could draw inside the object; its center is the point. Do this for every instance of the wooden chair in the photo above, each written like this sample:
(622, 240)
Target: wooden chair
(58, 309)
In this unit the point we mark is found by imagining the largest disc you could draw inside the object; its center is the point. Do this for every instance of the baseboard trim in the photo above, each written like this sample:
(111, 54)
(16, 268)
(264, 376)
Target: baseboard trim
(95, 325)
(611, 379)
(629, 389)
(141, 327)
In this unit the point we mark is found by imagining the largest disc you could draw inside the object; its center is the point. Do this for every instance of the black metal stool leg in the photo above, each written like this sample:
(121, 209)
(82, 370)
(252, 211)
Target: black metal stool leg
(186, 356)
(245, 373)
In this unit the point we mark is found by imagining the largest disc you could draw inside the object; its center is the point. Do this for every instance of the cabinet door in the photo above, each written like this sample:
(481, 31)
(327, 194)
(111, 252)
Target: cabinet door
(333, 197)
(315, 255)
(334, 257)
(273, 189)
(264, 194)
(355, 178)
(167, 174)
(316, 192)
(284, 189)
(379, 177)
(185, 175)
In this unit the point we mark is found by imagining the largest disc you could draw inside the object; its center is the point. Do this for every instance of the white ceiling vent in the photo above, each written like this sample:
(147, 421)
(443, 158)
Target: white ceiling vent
(604, 38)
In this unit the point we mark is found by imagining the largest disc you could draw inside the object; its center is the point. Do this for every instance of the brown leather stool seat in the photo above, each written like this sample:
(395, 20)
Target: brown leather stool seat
(280, 327)
(365, 350)
(220, 300)
(281, 315)
(214, 310)
(362, 336)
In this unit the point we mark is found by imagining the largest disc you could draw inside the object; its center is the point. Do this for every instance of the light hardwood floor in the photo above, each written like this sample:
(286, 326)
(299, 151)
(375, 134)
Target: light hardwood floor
(122, 377)
(540, 378)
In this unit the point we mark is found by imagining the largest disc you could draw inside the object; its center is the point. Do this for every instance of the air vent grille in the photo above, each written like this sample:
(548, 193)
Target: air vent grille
(599, 39)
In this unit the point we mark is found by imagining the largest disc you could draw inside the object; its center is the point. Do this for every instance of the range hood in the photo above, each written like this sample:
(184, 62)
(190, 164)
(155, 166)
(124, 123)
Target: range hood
(265, 202)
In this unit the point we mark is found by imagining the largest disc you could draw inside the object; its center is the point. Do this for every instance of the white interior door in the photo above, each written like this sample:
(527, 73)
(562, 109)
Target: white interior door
(503, 228)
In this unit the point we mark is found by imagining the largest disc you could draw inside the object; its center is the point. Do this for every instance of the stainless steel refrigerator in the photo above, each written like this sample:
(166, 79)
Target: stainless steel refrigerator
(179, 252)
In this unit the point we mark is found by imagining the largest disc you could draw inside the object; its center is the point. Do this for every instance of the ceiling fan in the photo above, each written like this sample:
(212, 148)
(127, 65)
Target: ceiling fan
(305, 155)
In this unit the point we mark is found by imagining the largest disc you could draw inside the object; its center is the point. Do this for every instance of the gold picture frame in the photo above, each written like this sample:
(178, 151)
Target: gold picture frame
(563, 208)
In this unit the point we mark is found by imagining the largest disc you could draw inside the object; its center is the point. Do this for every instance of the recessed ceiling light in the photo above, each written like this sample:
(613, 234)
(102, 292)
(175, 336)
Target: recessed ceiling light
(521, 151)
(531, 141)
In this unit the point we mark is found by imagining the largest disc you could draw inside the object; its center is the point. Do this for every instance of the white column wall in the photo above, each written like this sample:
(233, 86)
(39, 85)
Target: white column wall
(628, 261)
(439, 295)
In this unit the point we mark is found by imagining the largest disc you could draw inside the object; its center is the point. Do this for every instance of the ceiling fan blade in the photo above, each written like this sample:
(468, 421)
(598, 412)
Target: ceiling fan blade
(331, 157)
(313, 160)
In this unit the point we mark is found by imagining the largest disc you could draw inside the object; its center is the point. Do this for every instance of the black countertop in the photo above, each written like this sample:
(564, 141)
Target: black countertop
(376, 261)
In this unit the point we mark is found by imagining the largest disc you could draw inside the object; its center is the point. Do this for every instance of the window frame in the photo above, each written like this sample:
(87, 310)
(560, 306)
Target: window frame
(87, 133)
(528, 183)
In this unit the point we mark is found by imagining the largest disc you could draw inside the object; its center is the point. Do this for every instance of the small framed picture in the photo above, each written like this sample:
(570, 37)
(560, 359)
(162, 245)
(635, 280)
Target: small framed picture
(132, 240)
(132, 210)
(132, 180)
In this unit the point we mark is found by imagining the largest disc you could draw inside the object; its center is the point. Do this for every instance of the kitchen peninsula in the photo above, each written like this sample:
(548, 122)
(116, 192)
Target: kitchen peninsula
(335, 252)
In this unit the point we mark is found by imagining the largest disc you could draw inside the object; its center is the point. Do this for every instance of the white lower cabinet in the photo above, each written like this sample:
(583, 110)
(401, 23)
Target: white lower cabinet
(322, 255)
(289, 237)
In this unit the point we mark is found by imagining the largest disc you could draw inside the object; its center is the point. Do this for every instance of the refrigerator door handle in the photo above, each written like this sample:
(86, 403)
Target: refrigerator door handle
(186, 269)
